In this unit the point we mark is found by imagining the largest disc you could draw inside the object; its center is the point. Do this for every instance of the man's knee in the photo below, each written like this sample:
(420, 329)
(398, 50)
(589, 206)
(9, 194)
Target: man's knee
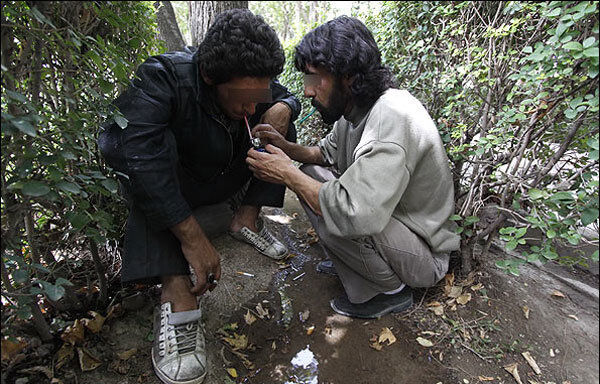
(318, 172)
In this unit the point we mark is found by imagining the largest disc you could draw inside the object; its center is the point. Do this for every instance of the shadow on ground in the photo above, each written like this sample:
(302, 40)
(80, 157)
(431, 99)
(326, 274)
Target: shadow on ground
(471, 342)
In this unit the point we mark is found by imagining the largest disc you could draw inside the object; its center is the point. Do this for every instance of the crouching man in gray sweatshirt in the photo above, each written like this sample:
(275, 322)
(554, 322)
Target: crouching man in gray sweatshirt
(377, 189)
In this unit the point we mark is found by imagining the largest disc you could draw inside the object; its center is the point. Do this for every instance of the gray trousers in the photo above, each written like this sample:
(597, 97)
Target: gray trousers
(370, 265)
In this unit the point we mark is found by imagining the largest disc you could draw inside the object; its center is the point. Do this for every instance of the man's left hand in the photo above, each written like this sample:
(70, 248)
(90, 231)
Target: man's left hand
(278, 116)
(272, 166)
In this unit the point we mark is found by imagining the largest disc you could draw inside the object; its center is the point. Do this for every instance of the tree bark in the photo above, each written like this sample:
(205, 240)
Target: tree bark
(203, 14)
(167, 26)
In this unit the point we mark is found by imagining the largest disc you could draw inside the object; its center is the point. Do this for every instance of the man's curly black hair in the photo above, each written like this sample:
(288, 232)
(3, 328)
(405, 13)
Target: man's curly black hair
(345, 46)
(240, 44)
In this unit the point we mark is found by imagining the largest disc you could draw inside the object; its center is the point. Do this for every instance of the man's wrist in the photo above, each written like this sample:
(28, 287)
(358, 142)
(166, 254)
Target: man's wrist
(188, 231)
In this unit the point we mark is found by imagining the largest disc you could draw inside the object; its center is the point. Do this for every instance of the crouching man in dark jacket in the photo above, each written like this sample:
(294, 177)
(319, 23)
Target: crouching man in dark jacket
(183, 152)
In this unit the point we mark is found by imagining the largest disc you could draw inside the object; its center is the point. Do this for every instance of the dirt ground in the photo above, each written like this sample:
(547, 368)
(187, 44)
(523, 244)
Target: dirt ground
(483, 324)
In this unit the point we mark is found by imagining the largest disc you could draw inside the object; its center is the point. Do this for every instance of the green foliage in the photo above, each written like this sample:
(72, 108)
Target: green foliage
(62, 64)
(513, 88)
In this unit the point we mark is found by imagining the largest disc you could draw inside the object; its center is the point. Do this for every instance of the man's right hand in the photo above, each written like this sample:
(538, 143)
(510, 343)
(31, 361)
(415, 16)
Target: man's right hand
(269, 135)
(199, 253)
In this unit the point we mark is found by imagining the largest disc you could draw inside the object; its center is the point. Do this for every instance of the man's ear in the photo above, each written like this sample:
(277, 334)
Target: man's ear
(206, 79)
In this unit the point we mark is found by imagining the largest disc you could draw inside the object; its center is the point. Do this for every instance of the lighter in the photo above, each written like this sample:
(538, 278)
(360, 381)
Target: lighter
(255, 141)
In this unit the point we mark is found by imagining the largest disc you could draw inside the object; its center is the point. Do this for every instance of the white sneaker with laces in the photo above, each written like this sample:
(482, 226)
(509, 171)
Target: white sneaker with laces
(179, 352)
(263, 241)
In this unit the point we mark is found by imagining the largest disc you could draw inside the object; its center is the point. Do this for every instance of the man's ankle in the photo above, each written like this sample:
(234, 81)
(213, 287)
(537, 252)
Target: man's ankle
(177, 291)
(246, 216)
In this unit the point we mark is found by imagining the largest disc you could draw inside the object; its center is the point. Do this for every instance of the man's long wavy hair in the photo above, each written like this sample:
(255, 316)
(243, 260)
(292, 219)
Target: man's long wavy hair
(345, 47)
(240, 44)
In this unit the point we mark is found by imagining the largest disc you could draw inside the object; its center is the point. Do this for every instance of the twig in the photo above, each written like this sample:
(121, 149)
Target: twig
(484, 358)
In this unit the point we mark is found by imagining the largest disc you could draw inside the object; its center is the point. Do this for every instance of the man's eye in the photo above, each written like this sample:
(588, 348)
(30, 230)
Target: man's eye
(311, 79)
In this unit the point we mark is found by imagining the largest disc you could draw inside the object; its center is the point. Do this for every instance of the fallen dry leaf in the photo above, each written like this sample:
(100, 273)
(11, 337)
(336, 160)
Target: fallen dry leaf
(455, 291)
(262, 313)
(94, 324)
(558, 294)
(574, 317)
(74, 333)
(386, 335)
(249, 318)
(436, 307)
(11, 348)
(531, 362)
(237, 342)
(526, 312)
(424, 342)
(125, 355)
(513, 370)
(232, 372)
(64, 355)
(476, 287)
(463, 299)
(449, 279)
(87, 361)
(486, 378)
(533, 381)
(310, 330)
(273, 345)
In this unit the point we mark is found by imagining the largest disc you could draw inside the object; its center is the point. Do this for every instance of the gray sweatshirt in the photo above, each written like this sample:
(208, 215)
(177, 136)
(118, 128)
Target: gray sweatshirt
(393, 165)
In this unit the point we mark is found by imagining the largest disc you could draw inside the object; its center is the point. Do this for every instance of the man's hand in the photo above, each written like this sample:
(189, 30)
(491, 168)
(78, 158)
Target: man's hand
(273, 166)
(269, 135)
(199, 253)
(278, 116)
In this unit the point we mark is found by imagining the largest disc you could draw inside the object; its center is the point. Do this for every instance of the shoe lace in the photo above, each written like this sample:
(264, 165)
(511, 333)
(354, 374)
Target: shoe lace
(185, 337)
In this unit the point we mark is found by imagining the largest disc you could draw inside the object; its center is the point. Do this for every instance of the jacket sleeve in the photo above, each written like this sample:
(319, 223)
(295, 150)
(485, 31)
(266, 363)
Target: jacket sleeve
(149, 147)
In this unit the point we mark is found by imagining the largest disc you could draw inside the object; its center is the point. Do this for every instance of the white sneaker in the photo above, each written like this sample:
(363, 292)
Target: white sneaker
(179, 352)
(263, 241)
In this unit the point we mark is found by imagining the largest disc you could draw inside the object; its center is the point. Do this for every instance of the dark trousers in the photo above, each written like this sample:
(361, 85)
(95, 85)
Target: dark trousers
(149, 253)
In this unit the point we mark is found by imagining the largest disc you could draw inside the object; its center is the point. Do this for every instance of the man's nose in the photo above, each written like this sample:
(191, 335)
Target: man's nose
(309, 91)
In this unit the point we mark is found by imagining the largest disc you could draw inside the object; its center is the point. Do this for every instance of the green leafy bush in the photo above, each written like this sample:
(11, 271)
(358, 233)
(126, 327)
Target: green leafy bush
(62, 64)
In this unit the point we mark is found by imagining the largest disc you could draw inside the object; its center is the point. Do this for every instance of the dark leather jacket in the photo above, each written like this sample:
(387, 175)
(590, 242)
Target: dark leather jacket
(175, 127)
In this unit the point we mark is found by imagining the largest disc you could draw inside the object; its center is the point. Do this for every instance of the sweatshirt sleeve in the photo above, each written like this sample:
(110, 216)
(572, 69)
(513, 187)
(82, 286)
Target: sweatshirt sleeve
(150, 159)
(362, 200)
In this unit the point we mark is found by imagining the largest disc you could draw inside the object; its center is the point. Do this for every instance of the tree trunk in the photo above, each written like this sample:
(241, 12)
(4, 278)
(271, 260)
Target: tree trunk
(203, 14)
(167, 26)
